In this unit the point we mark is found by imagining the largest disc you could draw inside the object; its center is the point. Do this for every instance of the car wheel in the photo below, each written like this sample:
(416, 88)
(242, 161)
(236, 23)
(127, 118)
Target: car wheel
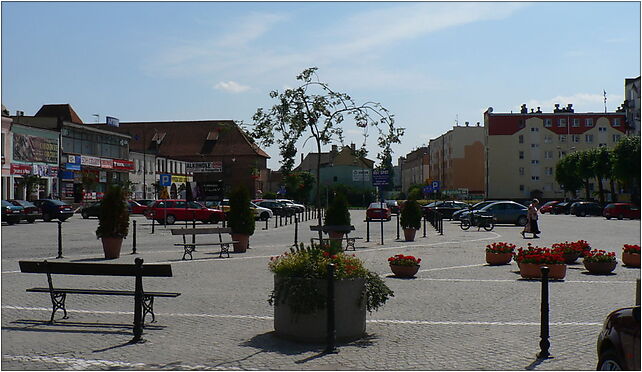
(31, 220)
(620, 217)
(46, 217)
(170, 219)
(608, 362)
(10, 222)
(608, 217)
(264, 216)
(522, 221)
(581, 214)
(160, 221)
(84, 215)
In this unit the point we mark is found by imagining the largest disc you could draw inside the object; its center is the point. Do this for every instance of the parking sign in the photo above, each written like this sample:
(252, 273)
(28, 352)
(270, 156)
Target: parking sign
(165, 179)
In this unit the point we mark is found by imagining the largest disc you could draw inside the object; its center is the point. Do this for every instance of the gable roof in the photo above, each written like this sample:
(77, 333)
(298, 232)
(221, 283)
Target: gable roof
(62, 111)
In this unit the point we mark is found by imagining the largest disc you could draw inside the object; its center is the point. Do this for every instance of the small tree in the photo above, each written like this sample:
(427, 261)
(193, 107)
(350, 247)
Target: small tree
(240, 217)
(113, 221)
(566, 174)
(338, 212)
(411, 215)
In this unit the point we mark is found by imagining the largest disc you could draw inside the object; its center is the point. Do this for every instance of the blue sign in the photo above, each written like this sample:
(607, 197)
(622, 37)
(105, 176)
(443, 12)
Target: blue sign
(282, 190)
(165, 179)
(67, 175)
(436, 185)
(427, 189)
(112, 122)
(73, 162)
(380, 177)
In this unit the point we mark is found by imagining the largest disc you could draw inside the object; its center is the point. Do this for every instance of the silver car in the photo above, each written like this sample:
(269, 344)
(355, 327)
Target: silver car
(505, 212)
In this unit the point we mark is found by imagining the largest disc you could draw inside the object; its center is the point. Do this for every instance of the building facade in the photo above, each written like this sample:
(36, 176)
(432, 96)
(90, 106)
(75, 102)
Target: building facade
(522, 149)
(457, 160)
(632, 104)
(7, 182)
(415, 168)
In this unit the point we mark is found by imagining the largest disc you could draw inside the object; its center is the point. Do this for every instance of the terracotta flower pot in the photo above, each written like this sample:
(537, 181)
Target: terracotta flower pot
(404, 271)
(599, 268)
(243, 242)
(498, 258)
(532, 271)
(631, 259)
(335, 235)
(111, 247)
(570, 258)
(409, 234)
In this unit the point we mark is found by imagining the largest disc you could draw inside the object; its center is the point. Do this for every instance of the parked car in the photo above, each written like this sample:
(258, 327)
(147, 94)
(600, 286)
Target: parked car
(446, 208)
(93, 209)
(136, 207)
(30, 212)
(621, 210)
(278, 208)
(172, 210)
(581, 209)
(261, 213)
(394, 206)
(53, 208)
(505, 212)
(298, 207)
(463, 213)
(548, 206)
(11, 213)
(618, 344)
(562, 207)
(378, 211)
(145, 202)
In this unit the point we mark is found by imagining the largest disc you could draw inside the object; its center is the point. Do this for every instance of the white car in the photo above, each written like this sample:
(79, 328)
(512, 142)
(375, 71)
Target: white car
(261, 213)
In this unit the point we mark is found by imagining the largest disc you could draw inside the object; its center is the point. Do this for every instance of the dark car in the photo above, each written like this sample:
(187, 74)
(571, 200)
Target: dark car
(621, 210)
(52, 208)
(463, 213)
(548, 207)
(93, 209)
(505, 212)
(562, 207)
(277, 207)
(172, 210)
(30, 212)
(445, 208)
(618, 345)
(394, 206)
(11, 213)
(581, 209)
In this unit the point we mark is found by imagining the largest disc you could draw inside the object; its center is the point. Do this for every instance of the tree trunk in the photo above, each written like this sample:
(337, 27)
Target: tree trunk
(586, 187)
(319, 190)
(600, 188)
(613, 191)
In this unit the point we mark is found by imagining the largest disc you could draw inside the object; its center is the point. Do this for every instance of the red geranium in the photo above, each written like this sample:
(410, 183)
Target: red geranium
(500, 247)
(539, 255)
(631, 248)
(599, 256)
(400, 259)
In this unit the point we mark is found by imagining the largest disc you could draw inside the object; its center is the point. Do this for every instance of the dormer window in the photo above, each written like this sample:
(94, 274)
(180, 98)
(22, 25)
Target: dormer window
(212, 135)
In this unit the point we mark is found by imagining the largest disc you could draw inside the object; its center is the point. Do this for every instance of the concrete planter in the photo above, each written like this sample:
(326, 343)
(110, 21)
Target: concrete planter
(350, 316)
(532, 271)
(409, 234)
(498, 258)
(243, 242)
(111, 247)
(631, 259)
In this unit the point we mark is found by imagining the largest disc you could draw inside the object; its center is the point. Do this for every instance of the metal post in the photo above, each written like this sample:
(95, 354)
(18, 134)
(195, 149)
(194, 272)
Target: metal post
(296, 230)
(382, 231)
(397, 226)
(330, 308)
(280, 220)
(367, 230)
(134, 237)
(276, 222)
(138, 301)
(193, 226)
(441, 224)
(544, 344)
(424, 226)
(59, 240)
(153, 220)
(266, 223)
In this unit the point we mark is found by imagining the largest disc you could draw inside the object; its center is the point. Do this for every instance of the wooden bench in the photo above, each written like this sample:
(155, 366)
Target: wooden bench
(350, 241)
(191, 247)
(143, 300)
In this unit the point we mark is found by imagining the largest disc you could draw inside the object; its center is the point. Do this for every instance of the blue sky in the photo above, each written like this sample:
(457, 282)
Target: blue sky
(428, 63)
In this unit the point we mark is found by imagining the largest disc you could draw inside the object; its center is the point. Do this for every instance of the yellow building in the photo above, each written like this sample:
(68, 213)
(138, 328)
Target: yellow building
(522, 149)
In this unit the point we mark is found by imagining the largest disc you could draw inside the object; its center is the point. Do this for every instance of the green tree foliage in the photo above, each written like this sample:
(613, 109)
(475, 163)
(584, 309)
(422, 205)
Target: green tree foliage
(113, 221)
(602, 168)
(566, 174)
(585, 169)
(338, 213)
(240, 217)
(411, 215)
(299, 185)
(626, 159)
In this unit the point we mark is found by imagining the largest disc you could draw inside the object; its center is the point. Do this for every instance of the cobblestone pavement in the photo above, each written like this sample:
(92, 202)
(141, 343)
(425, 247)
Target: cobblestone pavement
(458, 314)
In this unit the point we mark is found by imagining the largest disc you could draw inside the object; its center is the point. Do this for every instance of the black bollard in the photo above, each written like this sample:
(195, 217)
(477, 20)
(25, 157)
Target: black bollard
(193, 227)
(59, 240)
(138, 301)
(276, 221)
(397, 226)
(266, 224)
(280, 220)
(382, 231)
(441, 225)
(296, 230)
(544, 343)
(367, 230)
(153, 220)
(331, 334)
(424, 226)
(134, 237)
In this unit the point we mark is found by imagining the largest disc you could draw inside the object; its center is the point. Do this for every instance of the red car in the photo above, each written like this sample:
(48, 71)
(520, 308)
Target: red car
(378, 211)
(548, 207)
(621, 210)
(172, 210)
(136, 208)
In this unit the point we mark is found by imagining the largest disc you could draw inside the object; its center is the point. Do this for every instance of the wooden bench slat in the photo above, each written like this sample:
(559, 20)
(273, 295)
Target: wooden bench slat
(202, 231)
(220, 243)
(71, 268)
(108, 292)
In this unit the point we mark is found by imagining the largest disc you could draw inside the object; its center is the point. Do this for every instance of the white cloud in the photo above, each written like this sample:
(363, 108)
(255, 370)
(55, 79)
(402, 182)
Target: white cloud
(231, 86)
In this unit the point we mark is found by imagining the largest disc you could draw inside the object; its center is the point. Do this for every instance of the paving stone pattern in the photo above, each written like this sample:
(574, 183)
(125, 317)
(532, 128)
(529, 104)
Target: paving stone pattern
(458, 314)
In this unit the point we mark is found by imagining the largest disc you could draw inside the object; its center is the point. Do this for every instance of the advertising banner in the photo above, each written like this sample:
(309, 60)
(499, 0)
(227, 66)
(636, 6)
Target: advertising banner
(34, 149)
(20, 169)
(120, 164)
(204, 167)
(359, 175)
(106, 163)
(90, 161)
(179, 179)
(102, 176)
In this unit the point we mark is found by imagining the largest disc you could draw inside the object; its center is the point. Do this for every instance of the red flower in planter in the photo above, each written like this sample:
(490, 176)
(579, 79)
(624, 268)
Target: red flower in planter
(599, 256)
(631, 248)
(400, 259)
(500, 247)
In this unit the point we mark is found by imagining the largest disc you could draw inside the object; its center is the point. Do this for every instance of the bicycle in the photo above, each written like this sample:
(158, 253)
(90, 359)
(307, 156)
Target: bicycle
(486, 222)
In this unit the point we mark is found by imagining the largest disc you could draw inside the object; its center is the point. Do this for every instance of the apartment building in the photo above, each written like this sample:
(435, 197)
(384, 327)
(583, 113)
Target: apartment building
(457, 160)
(631, 104)
(415, 167)
(523, 148)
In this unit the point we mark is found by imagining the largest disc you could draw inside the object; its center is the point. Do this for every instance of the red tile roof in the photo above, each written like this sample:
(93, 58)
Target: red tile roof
(63, 111)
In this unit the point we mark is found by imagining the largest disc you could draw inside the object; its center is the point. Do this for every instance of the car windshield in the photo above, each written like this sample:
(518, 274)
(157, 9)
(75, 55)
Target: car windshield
(6, 204)
(57, 202)
(378, 205)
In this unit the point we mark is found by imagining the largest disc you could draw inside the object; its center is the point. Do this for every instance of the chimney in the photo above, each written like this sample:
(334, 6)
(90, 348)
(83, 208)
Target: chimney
(569, 107)
(557, 108)
(20, 113)
(353, 147)
(539, 111)
(532, 110)
(334, 148)
(478, 124)
(467, 123)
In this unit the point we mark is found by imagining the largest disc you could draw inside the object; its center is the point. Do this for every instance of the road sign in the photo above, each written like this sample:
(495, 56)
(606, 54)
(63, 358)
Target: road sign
(380, 177)
(427, 189)
(436, 185)
(165, 179)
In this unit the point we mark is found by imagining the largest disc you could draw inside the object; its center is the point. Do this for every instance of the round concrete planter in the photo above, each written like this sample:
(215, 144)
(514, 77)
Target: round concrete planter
(409, 234)
(243, 242)
(350, 317)
(111, 247)
(404, 271)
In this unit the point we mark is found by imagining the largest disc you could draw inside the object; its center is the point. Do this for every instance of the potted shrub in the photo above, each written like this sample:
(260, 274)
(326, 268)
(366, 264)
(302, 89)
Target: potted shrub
(337, 215)
(499, 253)
(571, 251)
(113, 221)
(599, 262)
(404, 266)
(240, 218)
(532, 258)
(410, 219)
(631, 255)
(299, 295)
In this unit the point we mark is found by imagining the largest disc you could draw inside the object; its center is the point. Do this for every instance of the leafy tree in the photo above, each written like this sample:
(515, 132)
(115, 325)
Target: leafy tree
(313, 108)
(626, 164)
(338, 213)
(566, 174)
(411, 215)
(585, 169)
(299, 185)
(602, 168)
(240, 217)
(113, 221)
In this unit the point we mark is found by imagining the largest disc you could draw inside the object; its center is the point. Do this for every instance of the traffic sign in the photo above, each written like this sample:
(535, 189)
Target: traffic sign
(436, 185)
(380, 177)
(427, 189)
(165, 179)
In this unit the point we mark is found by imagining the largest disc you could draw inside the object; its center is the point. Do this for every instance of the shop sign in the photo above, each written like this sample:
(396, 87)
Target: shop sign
(68, 189)
(106, 163)
(179, 179)
(67, 175)
(123, 164)
(20, 169)
(204, 167)
(89, 160)
(102, 177)
(44, 170)
(73, 162)
(34, 149)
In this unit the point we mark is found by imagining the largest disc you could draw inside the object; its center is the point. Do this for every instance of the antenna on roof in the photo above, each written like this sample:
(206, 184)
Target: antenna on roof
(604, 100)
(97, 117)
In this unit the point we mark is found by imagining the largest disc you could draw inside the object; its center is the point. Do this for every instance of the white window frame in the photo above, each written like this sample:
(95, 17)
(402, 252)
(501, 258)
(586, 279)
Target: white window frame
(548, 123)
(616, 137)
(548, 154)
(534, 161)
(562, 137)
(561, 123)
(576, 122)
(588, 122)
(521, 171)
(616, 122)
(575, 138)
(588, 138)
(548, 139)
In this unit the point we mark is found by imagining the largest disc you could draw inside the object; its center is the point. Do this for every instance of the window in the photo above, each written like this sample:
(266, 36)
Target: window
(561, 154)
(548, 154)
(616, 137)
(535, 161)
(521, 154)
(521, 187)
(548, 123)
(548, 171)
(588, 138)
(616, 122)
(521, 171)
(548, 139)
(534, 145)
(534, 178)
(562, 138)
(588, 122)
(561, 123)
(576, 122)
(521, 138)
(575, 138)
(601, 129)
(534, 129)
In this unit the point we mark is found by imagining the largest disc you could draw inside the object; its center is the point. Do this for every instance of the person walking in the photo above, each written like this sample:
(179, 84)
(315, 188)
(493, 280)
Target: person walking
(531, 224)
